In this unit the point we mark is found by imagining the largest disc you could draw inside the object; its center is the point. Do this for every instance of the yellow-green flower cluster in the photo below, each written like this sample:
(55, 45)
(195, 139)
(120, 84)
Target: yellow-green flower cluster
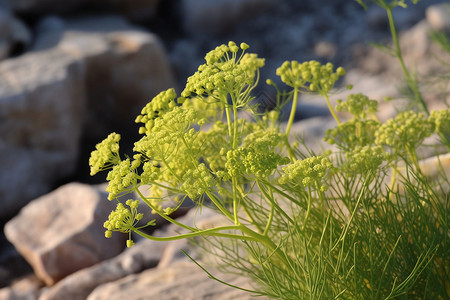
(363, 160)
(441, 120)
(353, 133)
(405, 132)
(309, 172)
(166, 133)
(210, 143)
(311, 75)
(198, 181)
(209, 107)
(105, 155)
(358, 105)
(160, 104)
(123, 219)
(257, 155)
(224, 72)
(255, 161)
(122, 177)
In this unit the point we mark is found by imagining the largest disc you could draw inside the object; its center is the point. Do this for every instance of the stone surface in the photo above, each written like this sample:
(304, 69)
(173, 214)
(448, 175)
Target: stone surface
(438, 16)
(144, 255)
(183, 280)
(220, 16)
(125, 68)
(62, 232)
(27, 288)
(42, 102)
(14, 34)
(79, 285)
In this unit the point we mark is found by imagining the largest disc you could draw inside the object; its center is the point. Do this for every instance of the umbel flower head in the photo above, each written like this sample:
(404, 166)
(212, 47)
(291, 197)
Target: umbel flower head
(124, 219)
(405, 132)
(310, 75)
(364, 160)
(358, 105)
(105, 155)
(160, 105)
(224, 73)
(351, 134)
(309, 172)
(441, 120)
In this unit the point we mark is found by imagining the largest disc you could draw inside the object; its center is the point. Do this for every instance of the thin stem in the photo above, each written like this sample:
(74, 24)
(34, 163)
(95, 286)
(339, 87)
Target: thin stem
(211, 232)
(272, 210)
(333, 113)
(411, 82)
(293, 109)
(164, 216)
(308, 209)
(219, 205)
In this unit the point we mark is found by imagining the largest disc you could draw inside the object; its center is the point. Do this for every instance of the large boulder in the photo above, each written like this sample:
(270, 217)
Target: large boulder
(62, 232)
(125, 67)
(42, 102)
(83, 79)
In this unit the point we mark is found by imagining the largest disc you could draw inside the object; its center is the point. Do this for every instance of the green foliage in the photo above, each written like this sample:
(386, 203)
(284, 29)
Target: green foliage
(362, 222)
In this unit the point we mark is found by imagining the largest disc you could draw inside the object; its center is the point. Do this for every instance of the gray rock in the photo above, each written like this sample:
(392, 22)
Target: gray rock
(62, 232)
(183, 280)
(145, 254)
(220, 16)
(14, 34)
(27, 288)
(42, 102)
(79, 285)
(125, 68)
(438, 16)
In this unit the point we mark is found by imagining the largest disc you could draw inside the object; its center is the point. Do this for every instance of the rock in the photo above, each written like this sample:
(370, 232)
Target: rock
(79, 285)
(415, 42)
(62, 232)
(183, 280)
(220, 16)
(143, 255)
(438, 16)
(27, 288)
(42, 102)
(125, 68)
(136, 10)
(325, 49)
(14, 34)
(48, 33)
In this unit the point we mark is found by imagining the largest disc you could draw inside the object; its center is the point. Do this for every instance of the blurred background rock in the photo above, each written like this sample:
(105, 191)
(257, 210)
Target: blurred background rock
(73, 71)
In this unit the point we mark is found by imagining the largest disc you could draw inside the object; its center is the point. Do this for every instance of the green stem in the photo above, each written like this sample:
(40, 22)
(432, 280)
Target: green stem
(219, 205)
(211, 232)
(293, 109)
(409, 79)
(164, 216)
(266, 241)
(277, 207)
(308, 209)
(333, 113)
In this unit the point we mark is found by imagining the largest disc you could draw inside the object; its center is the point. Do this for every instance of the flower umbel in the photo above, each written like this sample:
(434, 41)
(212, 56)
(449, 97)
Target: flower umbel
(124, 219)
(310, 75)
(105, 155)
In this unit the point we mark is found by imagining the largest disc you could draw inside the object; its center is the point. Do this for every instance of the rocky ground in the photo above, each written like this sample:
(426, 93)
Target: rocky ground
(72, 73)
